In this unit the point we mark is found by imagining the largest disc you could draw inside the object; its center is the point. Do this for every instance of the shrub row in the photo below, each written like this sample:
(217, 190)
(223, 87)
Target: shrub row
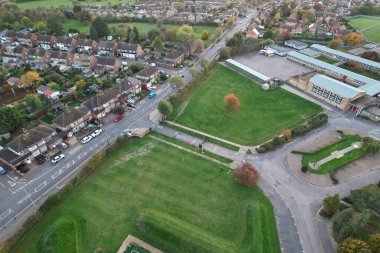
(299, 130)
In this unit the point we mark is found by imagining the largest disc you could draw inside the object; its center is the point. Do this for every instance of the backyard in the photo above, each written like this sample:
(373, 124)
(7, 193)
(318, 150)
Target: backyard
(369, 27)
(261, 115)
(149, 189)
(58, 3)
(345, 142)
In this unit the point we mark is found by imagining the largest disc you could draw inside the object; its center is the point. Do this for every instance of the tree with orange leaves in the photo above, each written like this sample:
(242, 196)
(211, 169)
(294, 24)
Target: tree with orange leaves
(231, 101)
(31, 79)
(247, 175)
(353, 38)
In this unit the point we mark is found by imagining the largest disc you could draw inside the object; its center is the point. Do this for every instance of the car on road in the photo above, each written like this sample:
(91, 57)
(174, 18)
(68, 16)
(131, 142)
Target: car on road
(40, 159)
(57, 158)
(2, 171)
(118, 118)
(86, 139)
(152, 95)
(127, 131)
(63, 145)
(97, 132)
(23, 168)
(131, 105)
(153, 87)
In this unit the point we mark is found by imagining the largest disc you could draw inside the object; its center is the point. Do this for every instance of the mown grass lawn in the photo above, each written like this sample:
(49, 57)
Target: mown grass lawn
(261, 114)
(368, 26)
(326, 168)
(326, 59)
(172, 199)
(58, 3)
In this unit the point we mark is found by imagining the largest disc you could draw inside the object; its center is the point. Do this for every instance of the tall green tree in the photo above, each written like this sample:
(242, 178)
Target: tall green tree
(157, 44)
(55, 26)
(165, 107)
(94, 34)
(132, 37)
(33, 101)
(101, 27)
(11, 119)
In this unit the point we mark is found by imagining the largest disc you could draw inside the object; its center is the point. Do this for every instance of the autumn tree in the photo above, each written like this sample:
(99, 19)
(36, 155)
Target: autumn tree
(205, 35)
(371, 55)
(31, 79)
(231, 101)
(277, 16)
(193, 71)
(165, 107)
(318, 6)
(374, 243)
(371, 145)
(184, 33)
(177, 81)
(335, 43)
(199, 45)
(351, 245)
(285, 35)
(247, 175)
(205, 64)
(353, 38)
(287, 133)
(218, 32)
(355, 65)
(179, 6)
(94, 161)
(230, 21)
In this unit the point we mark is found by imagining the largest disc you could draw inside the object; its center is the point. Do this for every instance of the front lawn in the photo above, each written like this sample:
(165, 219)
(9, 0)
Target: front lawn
(334, 164)
(326, 59)
(173, 200)
(262, 114)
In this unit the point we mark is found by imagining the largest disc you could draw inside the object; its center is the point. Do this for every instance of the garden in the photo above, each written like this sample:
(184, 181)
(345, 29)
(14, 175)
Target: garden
(260, 116)
(148, 188)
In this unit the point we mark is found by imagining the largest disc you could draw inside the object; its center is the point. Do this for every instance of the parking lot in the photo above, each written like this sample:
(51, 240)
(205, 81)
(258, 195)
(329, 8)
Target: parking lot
(272, 66)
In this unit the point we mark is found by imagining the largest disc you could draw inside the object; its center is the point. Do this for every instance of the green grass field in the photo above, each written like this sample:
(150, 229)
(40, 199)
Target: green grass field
(169, 198)
(326, 59)
(326, 168)
(58, 3)
(368, 26)
(363, 72)
(261, 115)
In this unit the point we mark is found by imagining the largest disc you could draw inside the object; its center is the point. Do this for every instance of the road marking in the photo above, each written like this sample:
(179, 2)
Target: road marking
(94, 146)
(2, 185)
(22, 200)
(5, 214)
(55, 175)
(71, 163)
(82, 155)
(11, 183)
(38, 188)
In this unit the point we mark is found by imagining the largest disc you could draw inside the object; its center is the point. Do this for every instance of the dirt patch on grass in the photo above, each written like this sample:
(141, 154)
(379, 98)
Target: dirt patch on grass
(144, 150)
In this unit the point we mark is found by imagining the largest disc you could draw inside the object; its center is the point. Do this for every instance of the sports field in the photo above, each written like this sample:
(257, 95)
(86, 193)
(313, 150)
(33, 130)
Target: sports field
(58, 3)
(261, 114)
(369, 27)
(173, 200)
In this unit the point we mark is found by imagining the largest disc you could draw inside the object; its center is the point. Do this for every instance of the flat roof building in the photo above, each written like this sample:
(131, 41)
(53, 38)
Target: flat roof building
(369, 85)
(281, 51)
(299, 45)
(372, 65)
(260, 78)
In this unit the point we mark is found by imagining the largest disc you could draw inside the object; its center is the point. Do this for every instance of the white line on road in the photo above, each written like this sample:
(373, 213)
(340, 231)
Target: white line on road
(71, 163)
(38, 188)
(95, 145)
(5, 214)
(82, 155)
(11, 183)
(55, 175)
(22, 200)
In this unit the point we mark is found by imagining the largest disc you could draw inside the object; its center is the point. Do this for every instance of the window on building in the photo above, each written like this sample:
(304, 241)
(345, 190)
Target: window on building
(338, 100)
(326, 94)
(332, 97)
(315, 88)
(320, 91)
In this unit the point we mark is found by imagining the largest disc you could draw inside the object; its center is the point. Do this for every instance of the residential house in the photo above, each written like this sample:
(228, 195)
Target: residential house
(25, 39)
(107, 48)
(252, 34)
(33, 141)
(14, 81)
(66, 44)
(10, 160)
(127, 50)
(147, 74)
(87, 46)
(172, 59)
(62, 58)
(105, 64)
(102, 103)
(45, 41)
(74, 119)
(47, 92)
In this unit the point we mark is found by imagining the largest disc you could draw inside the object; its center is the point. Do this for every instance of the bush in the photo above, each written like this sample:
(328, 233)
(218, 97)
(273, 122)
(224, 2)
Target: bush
(247, 175)
(304, 168)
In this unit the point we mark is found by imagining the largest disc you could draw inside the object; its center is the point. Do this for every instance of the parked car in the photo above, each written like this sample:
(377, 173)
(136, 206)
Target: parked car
(57, 158)
(131, 105)
(127, 132)
(40, 159)
(86, 139)
(152, 95)
(183, 76)
(153, 87)
(63, 145)
(118, 118)
(96, 132)
(2, 171)
(23, 168)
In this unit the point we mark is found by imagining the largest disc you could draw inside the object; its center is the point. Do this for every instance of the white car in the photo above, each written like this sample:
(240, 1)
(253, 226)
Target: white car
(153, 87)
(86, 139)
(57, 158)
(127, 132)
(96, 132)
(63, 145)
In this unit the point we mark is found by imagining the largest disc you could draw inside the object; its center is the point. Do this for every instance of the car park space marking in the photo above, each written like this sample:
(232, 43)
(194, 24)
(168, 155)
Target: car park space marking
(11, 183)
(82, 155)
(38, 188)
(5, 214)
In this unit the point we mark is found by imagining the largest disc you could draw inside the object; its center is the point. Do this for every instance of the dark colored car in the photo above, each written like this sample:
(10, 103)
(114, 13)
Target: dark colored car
(23, 168)
(40, 159)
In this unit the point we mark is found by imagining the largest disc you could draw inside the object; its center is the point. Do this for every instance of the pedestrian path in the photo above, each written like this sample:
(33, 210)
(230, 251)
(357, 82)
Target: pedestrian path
(335, 155)
(194, 141)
